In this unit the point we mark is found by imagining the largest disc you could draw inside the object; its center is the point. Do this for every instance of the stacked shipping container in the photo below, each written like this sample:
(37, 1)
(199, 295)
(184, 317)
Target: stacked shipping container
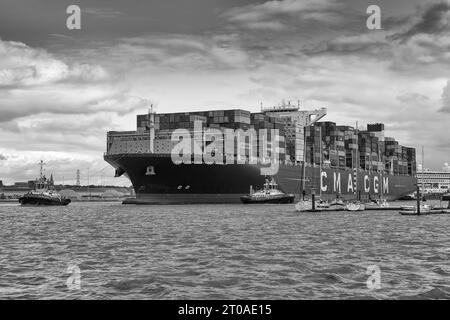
(339, 146)
(343, 146)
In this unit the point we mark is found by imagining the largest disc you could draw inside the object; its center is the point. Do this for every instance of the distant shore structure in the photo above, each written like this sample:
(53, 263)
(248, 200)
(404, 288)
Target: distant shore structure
(72, 192)
(434, 182)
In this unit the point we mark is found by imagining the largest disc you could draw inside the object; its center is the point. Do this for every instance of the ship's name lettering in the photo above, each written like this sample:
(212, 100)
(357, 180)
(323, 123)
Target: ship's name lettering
(370, 183)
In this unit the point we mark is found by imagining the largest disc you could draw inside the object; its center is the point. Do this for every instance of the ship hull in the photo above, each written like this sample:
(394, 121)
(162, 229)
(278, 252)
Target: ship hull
(273, 200)
(38, 200)
(157, 180)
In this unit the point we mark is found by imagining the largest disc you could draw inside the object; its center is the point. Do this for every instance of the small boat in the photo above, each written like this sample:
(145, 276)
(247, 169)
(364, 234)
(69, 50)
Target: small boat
(337, 203)
(412, 210)
(269, 194)
(355, 206)
(423, 206)
(411, 196)
(42, 195)
(303, 206)
(379, 203)
(322, 204)
(306, 206)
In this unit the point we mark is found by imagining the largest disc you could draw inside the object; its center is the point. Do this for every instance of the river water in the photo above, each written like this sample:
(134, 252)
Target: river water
(219, 252)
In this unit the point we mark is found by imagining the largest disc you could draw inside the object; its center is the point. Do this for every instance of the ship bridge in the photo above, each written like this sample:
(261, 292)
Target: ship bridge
(295, 123)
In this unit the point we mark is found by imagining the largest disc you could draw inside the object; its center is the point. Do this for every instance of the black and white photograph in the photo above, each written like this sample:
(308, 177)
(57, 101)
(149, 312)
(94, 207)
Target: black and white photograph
(224, 155)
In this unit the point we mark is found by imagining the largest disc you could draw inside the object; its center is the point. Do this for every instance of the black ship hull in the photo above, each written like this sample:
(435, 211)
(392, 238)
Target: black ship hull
(157, 180)
(42, 200)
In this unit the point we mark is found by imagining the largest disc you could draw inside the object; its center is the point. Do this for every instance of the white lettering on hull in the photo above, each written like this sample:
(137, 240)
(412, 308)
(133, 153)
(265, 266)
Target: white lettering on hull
(385, 185)
(366, 184)
(337, 182)
(350, 183)
(375, 184)
(323, 187)
(370, 184)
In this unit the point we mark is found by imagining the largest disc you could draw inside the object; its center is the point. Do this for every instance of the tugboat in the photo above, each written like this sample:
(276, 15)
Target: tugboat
(269, 194)
(42, 195)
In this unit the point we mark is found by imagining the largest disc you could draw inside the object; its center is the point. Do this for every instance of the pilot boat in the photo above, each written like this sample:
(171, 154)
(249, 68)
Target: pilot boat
(269, 194)
(42, 195)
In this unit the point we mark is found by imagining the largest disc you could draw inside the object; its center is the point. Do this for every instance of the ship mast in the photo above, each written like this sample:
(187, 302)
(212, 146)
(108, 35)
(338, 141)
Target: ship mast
(304, 162)
(419, 195)
(151, 128)
(423, 166)
(40, 184)
(380, 159)
(356, 160)
(320, 161)
(41, 170)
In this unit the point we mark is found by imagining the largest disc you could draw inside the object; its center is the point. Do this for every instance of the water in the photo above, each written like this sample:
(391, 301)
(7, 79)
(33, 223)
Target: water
(219, 252)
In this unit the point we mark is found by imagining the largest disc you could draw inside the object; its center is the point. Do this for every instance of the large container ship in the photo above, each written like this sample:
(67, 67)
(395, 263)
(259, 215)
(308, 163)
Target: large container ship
(218, 156)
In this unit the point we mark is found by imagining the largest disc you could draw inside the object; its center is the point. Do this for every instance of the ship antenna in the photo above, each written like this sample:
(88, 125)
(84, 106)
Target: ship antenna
(41, 169)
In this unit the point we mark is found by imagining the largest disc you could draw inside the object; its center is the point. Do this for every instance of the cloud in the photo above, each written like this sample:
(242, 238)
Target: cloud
(413, 98)
(103, 13)
(2, 157)
(267, 25)
(21, 65)
(368, 43)
(283, 15)
(446, 98)
(65, 99)
(58, 104)
(435, 19)
(33, 81)
(54, 132)
(156, 55)
(422, 55)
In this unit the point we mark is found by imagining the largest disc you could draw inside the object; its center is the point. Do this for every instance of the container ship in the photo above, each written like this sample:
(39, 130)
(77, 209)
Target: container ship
(218, 156)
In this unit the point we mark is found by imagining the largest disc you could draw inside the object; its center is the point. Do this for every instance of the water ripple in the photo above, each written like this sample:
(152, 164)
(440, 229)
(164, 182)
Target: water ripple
(219, 252)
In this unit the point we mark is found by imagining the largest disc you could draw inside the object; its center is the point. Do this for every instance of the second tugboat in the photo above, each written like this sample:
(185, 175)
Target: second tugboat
(269, 194)
(42, 195)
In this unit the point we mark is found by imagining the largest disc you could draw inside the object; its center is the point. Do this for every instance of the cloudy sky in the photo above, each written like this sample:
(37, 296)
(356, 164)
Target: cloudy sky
(61, 90)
